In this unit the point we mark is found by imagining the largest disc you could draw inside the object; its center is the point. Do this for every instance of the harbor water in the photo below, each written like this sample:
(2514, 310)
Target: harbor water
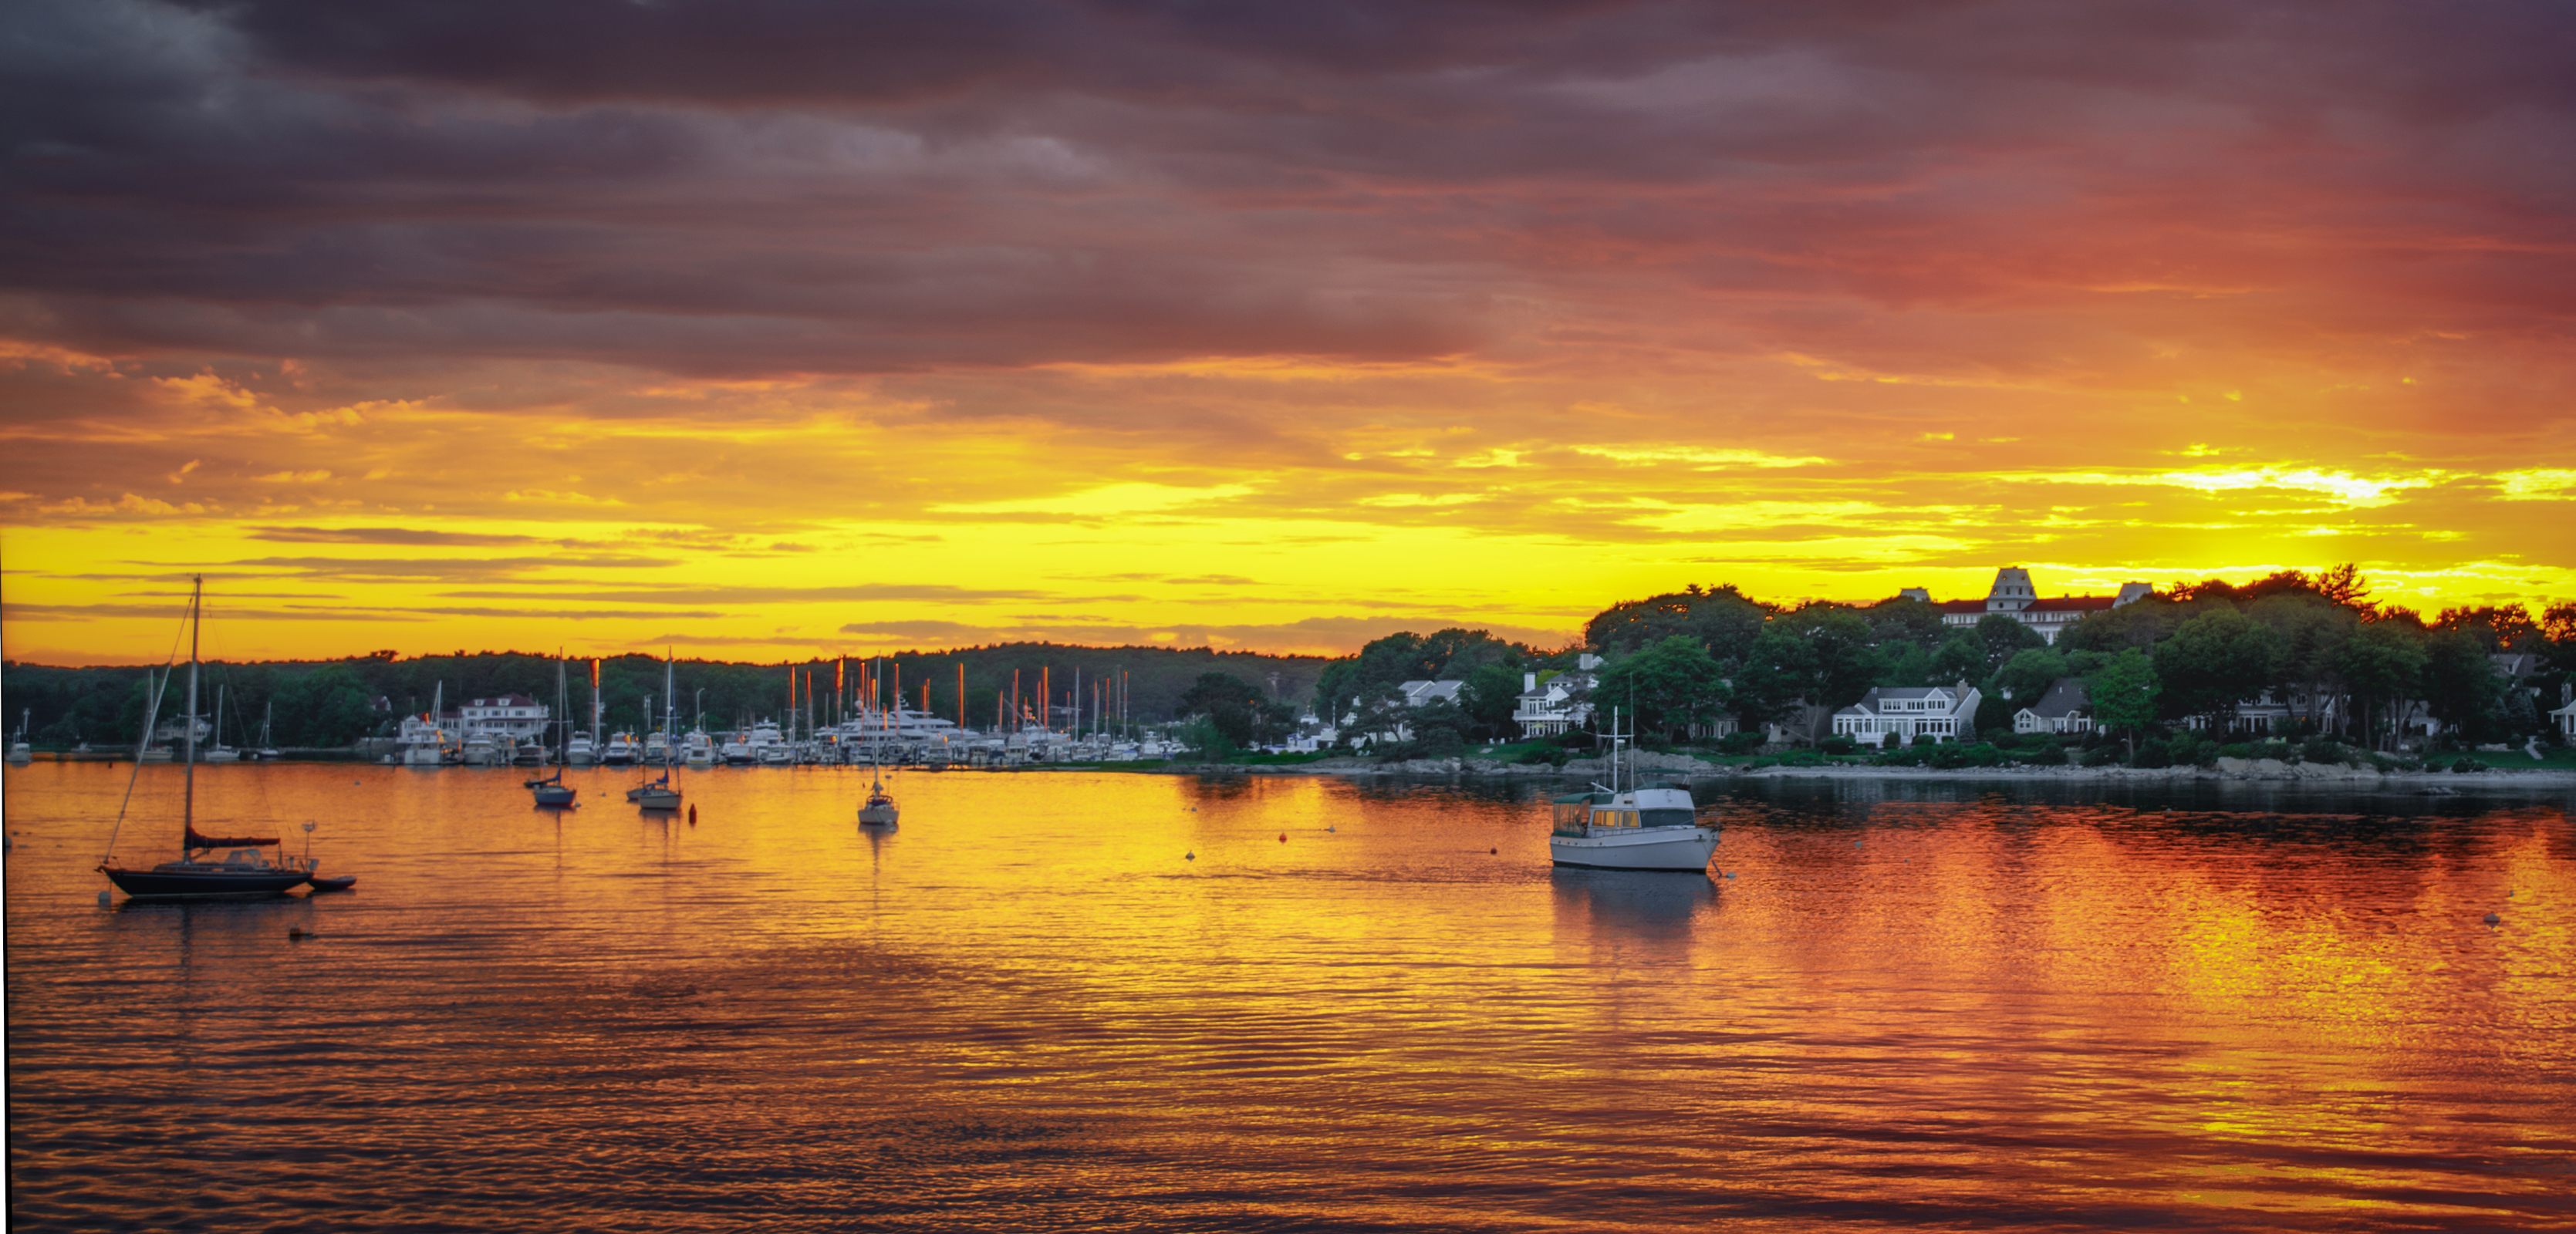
(1081, 1000)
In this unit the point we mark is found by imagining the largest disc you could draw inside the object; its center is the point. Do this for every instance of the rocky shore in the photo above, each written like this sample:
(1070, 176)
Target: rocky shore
(1651, 765)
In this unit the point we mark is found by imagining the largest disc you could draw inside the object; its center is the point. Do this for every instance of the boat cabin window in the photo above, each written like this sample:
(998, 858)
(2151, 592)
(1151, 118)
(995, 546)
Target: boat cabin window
(1667, 818)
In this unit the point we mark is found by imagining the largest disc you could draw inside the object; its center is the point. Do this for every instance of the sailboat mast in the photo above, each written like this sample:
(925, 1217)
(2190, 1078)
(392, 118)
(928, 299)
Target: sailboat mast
(196, 618)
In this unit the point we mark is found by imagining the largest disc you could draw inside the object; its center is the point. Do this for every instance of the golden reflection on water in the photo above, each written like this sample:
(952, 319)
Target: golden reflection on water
(1054, 1000)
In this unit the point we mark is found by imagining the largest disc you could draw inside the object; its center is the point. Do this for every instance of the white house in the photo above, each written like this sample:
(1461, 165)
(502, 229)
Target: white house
(2014, 595)
(515, 716)
(1902, 713)
(2565, 719)
(2063, 709)
(1559, 704)
(2268, 714)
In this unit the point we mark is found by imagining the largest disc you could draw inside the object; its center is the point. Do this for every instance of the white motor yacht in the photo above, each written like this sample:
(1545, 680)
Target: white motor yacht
(1651, 828)
(657, 748)
(580, 751)
(622, 750)
(697, 749)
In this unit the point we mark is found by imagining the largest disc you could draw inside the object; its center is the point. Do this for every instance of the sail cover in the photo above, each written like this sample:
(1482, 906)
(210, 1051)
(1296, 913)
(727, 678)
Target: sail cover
(198, 841)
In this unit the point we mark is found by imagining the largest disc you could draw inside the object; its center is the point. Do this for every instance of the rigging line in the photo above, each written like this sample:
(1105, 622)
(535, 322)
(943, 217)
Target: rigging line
(152, 716)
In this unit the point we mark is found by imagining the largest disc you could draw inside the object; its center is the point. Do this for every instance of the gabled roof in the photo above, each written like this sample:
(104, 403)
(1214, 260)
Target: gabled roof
(2065, 696)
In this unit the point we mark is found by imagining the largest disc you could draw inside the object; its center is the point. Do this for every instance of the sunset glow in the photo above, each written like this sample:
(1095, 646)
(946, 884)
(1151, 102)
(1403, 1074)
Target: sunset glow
(761, 331)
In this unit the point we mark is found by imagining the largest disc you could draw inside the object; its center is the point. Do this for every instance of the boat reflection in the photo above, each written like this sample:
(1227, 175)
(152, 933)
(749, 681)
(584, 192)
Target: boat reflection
(1639, 901)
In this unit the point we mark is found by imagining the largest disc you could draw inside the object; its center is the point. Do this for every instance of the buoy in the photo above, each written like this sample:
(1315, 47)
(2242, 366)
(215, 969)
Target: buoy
(693, 814)
(1192, 855)
(103, 900)
(296, 932)
(2493, 919)
(1495, 852)
(1330, 827)
(1730, 874)
(1283, 837)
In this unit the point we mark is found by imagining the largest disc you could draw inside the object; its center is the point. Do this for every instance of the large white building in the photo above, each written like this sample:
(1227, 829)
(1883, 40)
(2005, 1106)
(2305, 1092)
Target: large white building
(515, 716)
(1902, 713)
(2014, 595)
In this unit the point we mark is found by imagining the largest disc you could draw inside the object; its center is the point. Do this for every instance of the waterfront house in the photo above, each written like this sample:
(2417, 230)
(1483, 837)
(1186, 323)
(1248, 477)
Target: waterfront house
(1555, 703)
(2063, 709)
(2565, 720)
(2014, 595)
(1899, 714)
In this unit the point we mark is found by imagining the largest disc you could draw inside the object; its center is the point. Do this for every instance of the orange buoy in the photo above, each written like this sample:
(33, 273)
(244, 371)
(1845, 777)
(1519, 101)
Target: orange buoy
(693, 814)
(1495, 851)
(1283, 837)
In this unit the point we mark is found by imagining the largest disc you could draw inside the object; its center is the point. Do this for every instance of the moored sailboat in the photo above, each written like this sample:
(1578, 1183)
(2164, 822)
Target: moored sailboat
(244, 870)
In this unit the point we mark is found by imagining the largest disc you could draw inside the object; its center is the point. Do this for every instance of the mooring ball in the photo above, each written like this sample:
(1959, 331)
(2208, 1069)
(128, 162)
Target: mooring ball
(1495, 851)
(2493, 919)
(104, 900)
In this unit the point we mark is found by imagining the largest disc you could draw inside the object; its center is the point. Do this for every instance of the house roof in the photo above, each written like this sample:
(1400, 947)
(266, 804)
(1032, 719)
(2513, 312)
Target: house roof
(2074, 604)
(506, 700)
(2065, 696)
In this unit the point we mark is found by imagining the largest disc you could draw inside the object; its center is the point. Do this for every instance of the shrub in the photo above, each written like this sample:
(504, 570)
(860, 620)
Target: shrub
(1800, 758)
(2467, 765)
(2048, 756)
(1741, 743)
(2278, 751)
(1838, 744)
(2102, 756)
(2236, 749)
(2320, 750)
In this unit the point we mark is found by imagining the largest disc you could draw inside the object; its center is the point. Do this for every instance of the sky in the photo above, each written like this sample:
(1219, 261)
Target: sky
(766, 329)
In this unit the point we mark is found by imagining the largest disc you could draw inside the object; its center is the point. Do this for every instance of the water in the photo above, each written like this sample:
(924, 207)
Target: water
(1925, 1005)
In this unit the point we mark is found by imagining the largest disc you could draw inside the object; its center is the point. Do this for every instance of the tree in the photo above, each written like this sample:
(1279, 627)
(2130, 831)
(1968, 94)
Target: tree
(2001, 638)
(1772, 678)
(2460, 685)
(1489, 696)
(1670, 685)
(1963, 658)
(1722, 620)
(325, 707)
(2029, 674)
(2214, 662)
(1841, 660)
(1237, 708)
(2379, 665)
(2122, 694)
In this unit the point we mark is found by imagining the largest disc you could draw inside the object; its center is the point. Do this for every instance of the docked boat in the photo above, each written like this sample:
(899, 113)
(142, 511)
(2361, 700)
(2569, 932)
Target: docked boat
(1655, 827)
(621, 752)
(243, 870)
(219, 752)
(20, 753)
(580, 752)
(697, 749)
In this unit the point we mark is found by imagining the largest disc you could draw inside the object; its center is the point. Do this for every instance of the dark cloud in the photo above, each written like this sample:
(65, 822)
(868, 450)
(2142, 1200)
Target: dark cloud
(745, 595)
(783, 186)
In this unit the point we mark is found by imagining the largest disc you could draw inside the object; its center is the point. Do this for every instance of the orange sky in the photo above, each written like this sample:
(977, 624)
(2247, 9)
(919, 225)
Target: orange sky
(1200, 331)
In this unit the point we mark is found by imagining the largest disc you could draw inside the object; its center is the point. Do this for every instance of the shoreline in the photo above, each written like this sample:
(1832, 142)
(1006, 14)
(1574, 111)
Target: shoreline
(2304, 775)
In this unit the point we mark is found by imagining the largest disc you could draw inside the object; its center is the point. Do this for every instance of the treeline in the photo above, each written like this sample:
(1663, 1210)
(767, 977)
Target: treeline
(326, 703)
(2346, 665)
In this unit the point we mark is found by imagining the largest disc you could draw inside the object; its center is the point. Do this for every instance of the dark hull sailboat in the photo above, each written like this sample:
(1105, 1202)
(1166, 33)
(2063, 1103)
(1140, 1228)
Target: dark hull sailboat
(244, 871)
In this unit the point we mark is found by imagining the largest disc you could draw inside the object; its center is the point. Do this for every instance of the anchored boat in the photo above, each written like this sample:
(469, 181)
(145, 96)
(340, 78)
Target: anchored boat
(1655, 827)
(198, 874)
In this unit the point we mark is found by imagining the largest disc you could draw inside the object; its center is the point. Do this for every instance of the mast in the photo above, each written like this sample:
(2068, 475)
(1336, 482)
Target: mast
(188, 806)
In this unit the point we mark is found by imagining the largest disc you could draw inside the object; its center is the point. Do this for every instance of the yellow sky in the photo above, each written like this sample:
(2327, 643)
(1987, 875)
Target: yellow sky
(1273, 507)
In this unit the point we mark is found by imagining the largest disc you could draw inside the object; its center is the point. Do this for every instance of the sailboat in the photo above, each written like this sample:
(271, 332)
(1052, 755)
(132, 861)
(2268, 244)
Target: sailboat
(19, 751)
(197, 874)
(658, 794)
(267, 749)
(221, 753)
(1651, 828)
(552, 791)
(880, 808)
